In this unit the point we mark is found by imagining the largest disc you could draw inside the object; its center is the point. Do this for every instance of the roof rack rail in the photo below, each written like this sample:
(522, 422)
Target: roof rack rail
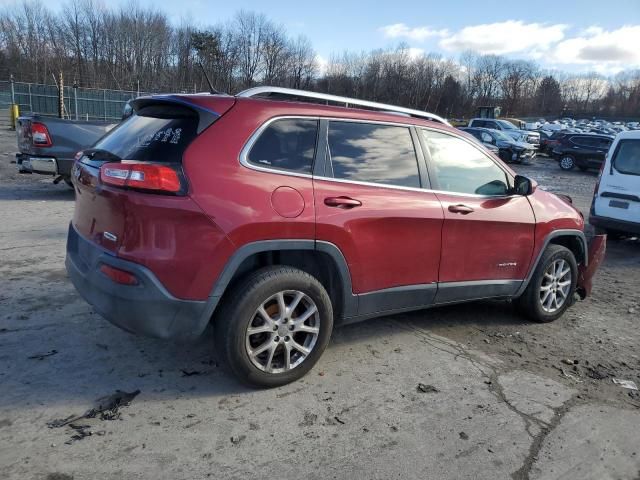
(258, 91)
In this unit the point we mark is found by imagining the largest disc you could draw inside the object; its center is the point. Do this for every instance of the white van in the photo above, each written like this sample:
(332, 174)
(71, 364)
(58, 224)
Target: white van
(616, 199)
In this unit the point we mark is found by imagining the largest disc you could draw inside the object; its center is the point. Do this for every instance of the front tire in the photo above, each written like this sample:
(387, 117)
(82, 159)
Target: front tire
(274, 326)
(567, 162)
(552, 286)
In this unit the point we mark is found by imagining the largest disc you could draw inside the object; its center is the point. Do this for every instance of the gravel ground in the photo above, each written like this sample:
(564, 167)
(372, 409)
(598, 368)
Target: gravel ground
(469, 391)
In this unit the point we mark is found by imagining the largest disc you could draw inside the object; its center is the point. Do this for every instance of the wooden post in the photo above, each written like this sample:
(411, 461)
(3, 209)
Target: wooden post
(61, 96)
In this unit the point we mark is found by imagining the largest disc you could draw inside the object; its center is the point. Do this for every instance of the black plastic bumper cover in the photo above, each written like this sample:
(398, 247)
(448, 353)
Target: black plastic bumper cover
(613, 224)
(147, 308)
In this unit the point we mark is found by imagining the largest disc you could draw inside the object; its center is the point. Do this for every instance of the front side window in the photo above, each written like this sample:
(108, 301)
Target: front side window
(462, 168)
(286, 144)
(373, 153)
(487, 138)
(627, 157)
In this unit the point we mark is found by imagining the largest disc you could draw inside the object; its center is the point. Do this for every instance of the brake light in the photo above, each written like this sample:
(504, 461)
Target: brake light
(40, 135)
(119, 276)
(144, 176)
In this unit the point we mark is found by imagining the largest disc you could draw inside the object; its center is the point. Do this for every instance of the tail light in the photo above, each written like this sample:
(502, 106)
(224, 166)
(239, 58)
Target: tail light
(142, 176)
(40, 135)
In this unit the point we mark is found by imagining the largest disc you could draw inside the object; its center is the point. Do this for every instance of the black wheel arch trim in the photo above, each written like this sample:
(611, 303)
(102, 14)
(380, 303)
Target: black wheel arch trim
(349, 301)
(555, 234)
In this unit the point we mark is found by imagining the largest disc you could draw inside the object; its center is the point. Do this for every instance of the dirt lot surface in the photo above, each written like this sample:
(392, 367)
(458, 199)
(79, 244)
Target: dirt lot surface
(472, 391)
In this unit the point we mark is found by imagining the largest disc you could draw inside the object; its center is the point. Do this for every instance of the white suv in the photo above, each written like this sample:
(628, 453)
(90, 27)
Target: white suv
(616, 199)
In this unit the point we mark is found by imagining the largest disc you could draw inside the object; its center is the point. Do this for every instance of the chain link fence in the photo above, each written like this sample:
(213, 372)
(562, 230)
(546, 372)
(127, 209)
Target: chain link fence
(79, 103)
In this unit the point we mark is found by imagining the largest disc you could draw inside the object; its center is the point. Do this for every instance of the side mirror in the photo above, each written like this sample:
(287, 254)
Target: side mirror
(523, 186)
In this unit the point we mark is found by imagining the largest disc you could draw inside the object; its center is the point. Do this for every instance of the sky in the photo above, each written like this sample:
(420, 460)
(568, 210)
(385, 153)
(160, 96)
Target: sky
(577, 36)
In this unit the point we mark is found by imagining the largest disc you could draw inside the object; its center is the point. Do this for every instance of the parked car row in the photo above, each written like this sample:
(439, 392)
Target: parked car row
(598, 126)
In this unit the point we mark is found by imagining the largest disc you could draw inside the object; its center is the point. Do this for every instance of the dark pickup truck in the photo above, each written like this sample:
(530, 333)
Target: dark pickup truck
(48, 145)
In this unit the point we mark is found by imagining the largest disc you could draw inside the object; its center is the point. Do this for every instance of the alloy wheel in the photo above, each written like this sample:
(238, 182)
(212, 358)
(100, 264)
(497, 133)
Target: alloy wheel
(556, 285)
(566, 163)
(283, 331)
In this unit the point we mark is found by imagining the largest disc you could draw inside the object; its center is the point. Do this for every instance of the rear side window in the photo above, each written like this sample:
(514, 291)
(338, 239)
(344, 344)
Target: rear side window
(462, 168)
(286, 144)
(626, 158)
(373, 153)
(585, 141)
(604, 143)
(154, 134)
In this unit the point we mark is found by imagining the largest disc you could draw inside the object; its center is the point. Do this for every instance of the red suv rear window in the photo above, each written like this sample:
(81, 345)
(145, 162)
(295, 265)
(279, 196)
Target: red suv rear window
(153, 134)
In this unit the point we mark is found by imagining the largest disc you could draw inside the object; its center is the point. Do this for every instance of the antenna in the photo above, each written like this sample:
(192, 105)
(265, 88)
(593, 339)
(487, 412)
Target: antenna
(206, 77)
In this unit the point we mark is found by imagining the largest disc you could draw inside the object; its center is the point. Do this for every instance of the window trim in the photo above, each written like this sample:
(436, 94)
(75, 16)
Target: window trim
(244, 153)
(432, 171)
(321, 177)
(417, 151)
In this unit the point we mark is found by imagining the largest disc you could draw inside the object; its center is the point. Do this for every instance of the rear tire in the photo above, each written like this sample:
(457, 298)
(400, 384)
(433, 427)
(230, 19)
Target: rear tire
(291, 316)
(567, 162)
(552, 286)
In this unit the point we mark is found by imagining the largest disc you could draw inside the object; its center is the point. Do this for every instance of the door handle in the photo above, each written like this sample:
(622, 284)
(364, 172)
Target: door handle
(462, 209)
(342, 202)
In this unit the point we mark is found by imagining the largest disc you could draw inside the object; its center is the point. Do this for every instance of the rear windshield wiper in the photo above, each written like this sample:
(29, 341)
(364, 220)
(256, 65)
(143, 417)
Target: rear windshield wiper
(97, 155)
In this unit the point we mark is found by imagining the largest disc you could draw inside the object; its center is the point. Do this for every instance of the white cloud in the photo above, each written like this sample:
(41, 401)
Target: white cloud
(322, 64)
(415, 53)
(400, 30)
(504, 37)
(605, 51)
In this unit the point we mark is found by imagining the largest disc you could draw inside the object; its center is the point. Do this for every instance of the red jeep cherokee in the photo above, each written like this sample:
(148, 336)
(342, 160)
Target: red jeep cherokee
(277, 219)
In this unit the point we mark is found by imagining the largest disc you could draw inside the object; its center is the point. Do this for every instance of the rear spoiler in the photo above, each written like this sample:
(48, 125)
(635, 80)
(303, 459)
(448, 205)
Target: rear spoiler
(203, 107)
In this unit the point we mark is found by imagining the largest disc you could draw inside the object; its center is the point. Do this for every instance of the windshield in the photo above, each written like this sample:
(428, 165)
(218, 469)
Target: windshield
(627, 157)
(506, 125)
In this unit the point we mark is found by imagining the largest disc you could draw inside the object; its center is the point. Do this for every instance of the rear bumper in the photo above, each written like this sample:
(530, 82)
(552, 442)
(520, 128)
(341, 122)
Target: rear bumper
(44, 165)
(147, 308)
(597, 248)
(613, 224)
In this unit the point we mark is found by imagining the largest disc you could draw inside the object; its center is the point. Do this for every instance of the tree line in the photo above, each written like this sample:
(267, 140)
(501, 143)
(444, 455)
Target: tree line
(138, 48)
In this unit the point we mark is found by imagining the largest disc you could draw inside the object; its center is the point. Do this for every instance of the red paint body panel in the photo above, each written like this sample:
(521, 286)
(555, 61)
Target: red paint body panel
(238, 198)
(174, 239)
(552, 213)
(494, 242)
(392, 239)
(597, 249)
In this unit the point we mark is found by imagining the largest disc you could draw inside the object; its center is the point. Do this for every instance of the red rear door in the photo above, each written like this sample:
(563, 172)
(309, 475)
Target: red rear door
(488, 234)
(370, 205)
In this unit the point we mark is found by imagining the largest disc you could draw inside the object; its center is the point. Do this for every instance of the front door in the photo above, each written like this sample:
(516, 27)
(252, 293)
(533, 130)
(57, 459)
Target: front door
(369, 203)
(488, 234)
